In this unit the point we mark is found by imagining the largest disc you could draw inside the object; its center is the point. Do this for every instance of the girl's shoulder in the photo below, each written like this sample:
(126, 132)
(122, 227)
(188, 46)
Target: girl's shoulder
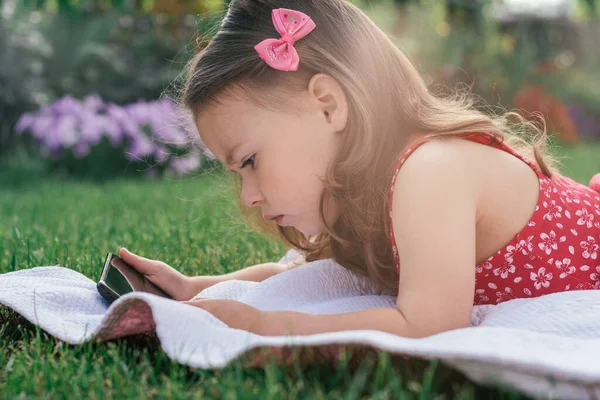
(438, 169)
(470, 159)
(488, 183)
(427, 148)
(439, 154)
(436, 166)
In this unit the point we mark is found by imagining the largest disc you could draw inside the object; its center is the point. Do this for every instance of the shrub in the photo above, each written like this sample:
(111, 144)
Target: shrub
(94, 139)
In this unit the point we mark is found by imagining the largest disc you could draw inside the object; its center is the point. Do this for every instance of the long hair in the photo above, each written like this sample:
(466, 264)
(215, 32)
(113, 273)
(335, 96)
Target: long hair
(387, 99)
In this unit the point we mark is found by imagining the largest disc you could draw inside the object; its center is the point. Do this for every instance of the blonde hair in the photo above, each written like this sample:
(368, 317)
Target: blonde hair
(387, 100)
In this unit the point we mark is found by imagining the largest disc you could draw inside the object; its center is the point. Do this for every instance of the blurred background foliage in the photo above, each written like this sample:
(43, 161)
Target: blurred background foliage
(534, 56)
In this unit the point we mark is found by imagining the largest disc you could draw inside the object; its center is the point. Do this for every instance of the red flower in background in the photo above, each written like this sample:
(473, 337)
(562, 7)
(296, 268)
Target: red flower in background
(534, 98)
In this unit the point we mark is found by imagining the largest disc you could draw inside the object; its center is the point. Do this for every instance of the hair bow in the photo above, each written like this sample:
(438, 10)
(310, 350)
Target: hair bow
(292, 25)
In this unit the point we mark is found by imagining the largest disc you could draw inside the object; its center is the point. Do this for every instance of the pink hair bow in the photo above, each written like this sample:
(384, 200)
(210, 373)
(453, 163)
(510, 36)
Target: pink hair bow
(292, 25)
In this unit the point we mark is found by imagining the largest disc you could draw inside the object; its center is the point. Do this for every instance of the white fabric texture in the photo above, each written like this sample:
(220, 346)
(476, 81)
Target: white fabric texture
(546, 346)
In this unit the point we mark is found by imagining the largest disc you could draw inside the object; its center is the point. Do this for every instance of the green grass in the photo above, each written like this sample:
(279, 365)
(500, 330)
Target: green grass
(580, 162)
(191, 226)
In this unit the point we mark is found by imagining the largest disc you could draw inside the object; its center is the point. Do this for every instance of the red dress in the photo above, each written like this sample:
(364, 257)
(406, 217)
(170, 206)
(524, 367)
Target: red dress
(558, 250)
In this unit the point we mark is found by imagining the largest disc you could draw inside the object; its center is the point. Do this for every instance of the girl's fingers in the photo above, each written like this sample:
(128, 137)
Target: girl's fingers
(126, 254)
(144, 265)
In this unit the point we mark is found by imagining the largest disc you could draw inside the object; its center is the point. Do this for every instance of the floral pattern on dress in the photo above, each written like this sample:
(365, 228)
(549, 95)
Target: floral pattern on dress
(558, 250)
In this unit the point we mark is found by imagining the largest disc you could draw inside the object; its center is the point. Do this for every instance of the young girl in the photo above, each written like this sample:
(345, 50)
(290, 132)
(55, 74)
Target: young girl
(340, 150)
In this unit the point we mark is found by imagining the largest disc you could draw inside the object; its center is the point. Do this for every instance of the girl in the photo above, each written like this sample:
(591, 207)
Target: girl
(340, 150)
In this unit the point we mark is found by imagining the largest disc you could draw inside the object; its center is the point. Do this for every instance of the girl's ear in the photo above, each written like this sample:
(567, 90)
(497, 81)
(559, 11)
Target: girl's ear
(331, 100)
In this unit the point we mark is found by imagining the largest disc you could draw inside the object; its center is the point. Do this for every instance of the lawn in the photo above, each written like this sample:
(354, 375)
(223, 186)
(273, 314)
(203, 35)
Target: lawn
(190, 224)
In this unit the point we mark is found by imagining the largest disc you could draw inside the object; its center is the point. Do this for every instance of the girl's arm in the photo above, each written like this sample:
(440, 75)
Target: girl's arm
(254, 273)
(435, 203)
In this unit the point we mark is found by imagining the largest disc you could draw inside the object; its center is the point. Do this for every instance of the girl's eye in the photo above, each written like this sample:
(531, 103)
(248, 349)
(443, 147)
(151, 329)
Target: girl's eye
(251, 158)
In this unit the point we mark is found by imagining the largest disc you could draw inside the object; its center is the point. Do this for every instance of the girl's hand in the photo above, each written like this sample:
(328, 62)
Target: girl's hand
(233, 313)
(171, 281)
(239, 315)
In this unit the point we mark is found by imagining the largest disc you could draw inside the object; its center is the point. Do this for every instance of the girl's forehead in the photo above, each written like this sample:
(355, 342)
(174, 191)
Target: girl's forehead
(221, 132)
(228, 114)
(217, 137)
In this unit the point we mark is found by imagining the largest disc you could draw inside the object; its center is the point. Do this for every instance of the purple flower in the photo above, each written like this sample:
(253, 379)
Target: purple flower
(93, 127)
(67, 130)
(66, 105)
(141, 147)
(587, 124)
(142, 129)
(42, 125)
(185, 165)
(93, 103)
(24, 123)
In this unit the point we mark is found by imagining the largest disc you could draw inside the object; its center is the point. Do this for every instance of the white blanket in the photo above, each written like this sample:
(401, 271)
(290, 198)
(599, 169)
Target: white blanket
(547, 346)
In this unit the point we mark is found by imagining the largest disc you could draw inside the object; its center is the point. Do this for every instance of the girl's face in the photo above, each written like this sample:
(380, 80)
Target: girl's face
(278, 155)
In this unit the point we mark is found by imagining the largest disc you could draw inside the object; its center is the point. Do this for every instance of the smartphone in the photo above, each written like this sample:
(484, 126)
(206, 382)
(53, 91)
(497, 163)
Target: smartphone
(119, 278)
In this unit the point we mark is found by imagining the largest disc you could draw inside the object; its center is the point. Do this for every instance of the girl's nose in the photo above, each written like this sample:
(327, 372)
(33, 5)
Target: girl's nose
(251, 196)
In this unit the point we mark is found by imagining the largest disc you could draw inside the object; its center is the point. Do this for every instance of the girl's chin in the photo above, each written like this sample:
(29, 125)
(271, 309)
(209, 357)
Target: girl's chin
(310, 232)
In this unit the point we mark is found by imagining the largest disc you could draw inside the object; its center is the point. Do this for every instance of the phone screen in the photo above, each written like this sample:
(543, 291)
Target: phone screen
(123, 278)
